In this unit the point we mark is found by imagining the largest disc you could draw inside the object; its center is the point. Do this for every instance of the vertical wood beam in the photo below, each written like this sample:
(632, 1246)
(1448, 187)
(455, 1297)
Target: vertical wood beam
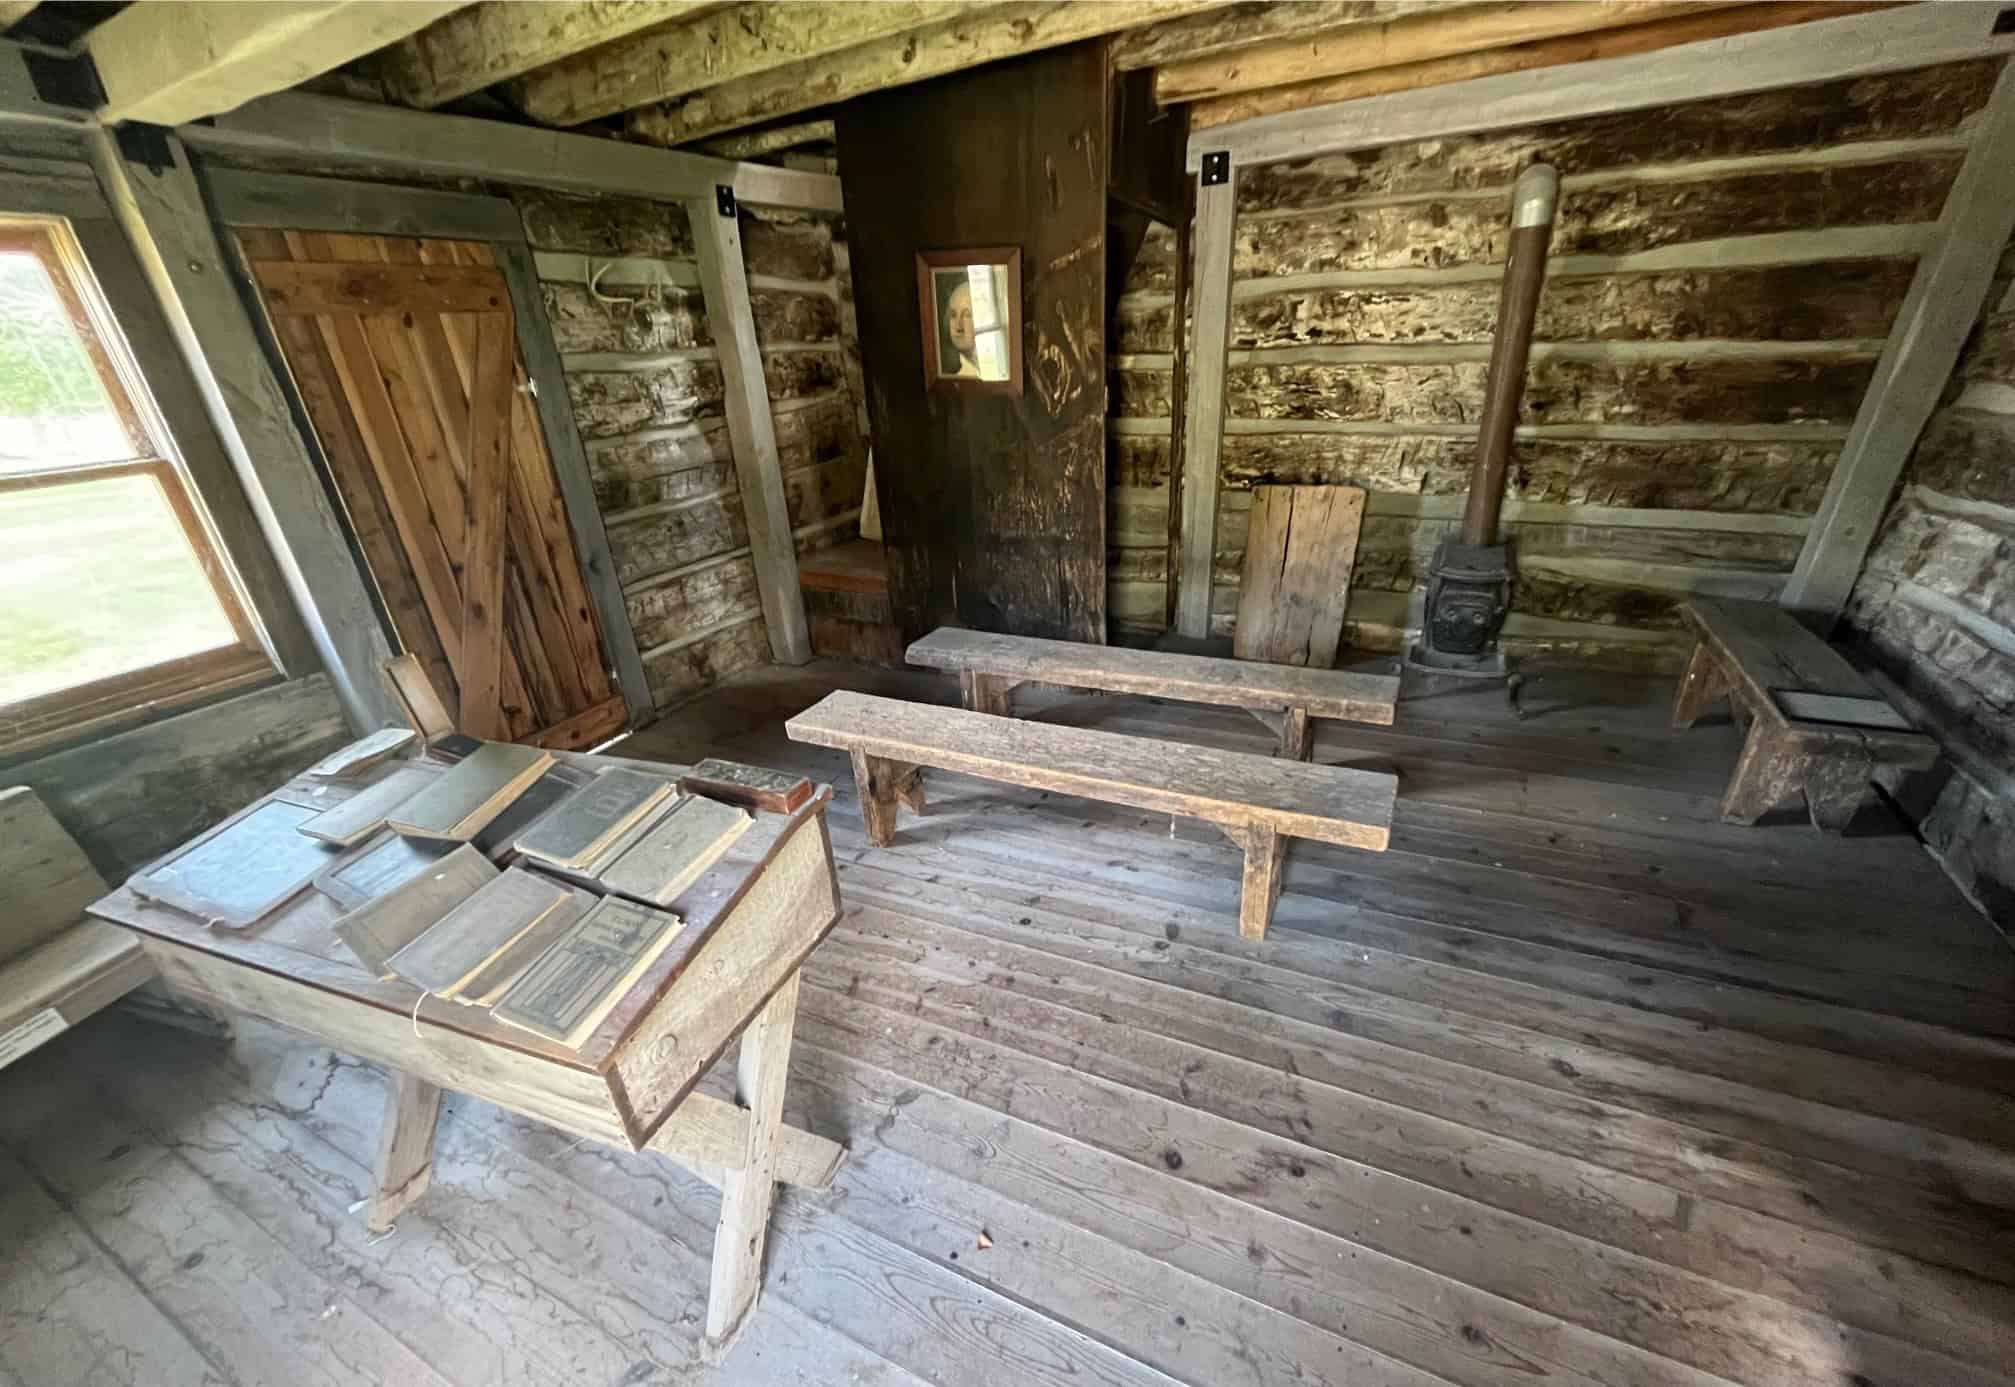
(725, 284)
(570, 466)
(483, 639)
(1203, 411)
(1938, 312)
(747, 1194)
(163, 214)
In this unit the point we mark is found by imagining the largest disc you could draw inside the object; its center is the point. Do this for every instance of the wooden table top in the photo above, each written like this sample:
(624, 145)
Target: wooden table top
(297, 941)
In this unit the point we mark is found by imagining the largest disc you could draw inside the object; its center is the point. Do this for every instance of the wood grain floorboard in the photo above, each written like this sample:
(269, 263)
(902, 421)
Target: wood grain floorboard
(1576, 1085)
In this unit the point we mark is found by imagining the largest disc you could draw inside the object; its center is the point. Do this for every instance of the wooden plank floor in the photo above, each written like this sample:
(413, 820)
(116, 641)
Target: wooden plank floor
(1575, 1085)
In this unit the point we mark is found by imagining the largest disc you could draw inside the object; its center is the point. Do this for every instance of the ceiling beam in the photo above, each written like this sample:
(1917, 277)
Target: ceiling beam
(12, 12)
(500, 39)
(173, 61)
(1691, 27)
(1826, 50)
(756, 144)
(738, 43)
(324, 131)
(1414, 38)
(979, 37)
(1240, 26)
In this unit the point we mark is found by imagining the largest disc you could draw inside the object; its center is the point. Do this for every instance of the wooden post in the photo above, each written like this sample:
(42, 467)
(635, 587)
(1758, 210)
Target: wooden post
(751, 431)
(405, 1164)
(1265, 856)
(1295, 741)
(1203, 410)
(874, 781)
(1938, 312)
(748, 1193)
(1701, 685)
(164, 216)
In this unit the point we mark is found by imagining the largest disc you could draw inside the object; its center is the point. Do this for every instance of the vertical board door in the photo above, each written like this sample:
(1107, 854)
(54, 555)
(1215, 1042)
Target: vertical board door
(405, 356)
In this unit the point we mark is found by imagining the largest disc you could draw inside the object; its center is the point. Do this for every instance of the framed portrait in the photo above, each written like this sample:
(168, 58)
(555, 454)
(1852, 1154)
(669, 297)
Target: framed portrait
(970, 304)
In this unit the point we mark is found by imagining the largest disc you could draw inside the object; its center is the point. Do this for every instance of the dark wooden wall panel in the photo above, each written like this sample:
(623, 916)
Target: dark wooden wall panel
(993, 508)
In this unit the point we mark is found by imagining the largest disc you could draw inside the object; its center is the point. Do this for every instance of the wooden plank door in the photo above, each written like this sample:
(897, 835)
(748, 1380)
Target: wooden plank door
(404, 353)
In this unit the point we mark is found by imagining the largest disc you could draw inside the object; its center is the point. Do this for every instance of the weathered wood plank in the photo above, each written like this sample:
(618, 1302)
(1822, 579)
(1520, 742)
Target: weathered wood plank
(604, 225)
(658, 541)
(668, 394)
(680, 671)
(706, 595)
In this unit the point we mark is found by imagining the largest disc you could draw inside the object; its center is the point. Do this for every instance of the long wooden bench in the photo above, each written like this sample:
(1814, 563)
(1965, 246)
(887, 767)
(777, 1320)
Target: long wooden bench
(1258, 801)
(989, 666)
(1816, 724)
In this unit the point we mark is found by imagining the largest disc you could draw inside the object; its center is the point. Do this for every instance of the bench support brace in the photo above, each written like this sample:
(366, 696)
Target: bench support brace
(987, 693)
(1265, 859)
(881, 782)
(1765, 775)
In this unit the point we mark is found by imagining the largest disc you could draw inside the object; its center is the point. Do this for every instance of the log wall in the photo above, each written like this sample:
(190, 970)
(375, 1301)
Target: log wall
(1935, 605)
(622, 289)
(1723, 276)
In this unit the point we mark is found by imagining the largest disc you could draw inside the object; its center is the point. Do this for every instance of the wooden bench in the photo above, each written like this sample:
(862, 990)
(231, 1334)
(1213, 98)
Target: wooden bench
(989, 666)
(1259, 802)
(1816, 724)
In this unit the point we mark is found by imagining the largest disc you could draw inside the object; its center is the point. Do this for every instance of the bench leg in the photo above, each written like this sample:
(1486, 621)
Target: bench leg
(748, 1193)
(1701, 685)
(1295, 741)
(1265, 858)
(1763, 777)
(875, 782)
(986, 693)
(1835, 787)
(405, 1164)
(909, 787)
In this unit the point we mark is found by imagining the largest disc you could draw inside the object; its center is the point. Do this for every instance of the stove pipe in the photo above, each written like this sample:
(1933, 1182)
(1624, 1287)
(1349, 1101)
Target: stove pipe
(1533, 198)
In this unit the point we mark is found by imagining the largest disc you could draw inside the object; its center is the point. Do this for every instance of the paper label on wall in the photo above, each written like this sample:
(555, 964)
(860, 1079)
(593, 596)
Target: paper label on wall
(45, 1024)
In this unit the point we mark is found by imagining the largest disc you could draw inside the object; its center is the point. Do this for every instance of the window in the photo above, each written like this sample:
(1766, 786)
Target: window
(116, 598)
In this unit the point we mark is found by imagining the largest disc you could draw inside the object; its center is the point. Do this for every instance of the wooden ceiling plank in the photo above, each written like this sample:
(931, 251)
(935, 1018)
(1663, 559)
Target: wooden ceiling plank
(756, 144)
(500, 39)
(171, 62)
(725, 46)
(1412, 39)
(1241, 26)
(966, 42)
(1522, 57)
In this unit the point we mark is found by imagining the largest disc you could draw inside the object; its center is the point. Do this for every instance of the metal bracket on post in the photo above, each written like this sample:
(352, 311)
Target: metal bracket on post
(724, 199)
(1215, 168)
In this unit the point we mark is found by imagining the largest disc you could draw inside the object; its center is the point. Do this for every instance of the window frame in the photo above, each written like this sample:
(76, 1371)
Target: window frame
(130, 696)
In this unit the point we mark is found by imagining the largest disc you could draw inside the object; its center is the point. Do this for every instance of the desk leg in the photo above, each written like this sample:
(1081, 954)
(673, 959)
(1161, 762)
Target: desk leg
(1265, 858)
(746, 1194)
(1699, 686)
(405, 1163)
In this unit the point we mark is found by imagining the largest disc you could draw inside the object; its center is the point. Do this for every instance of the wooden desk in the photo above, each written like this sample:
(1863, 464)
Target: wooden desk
(733, 971)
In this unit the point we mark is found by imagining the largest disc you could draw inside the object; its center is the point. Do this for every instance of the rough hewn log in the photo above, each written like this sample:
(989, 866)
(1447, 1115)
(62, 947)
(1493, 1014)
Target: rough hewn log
(797, 375)
(607, 403)
(1240, 26)
(710, 49)
(1153, 267)
(625, 317)
(787, 245)
(1991, 354)
(1966, 454)
(707, 596)
(662, 540)
(1824, 301)
(632, 472)
(760, 144)
(1409, 39)
(825, 489)
(1618, 218)
(791, 315)
(610, 226)
(982, 37)
(686, 670)
(1136, 460)
(1907, 105)
(1726, 390)
(816, 432)
(500, 39)
(1785, 478)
